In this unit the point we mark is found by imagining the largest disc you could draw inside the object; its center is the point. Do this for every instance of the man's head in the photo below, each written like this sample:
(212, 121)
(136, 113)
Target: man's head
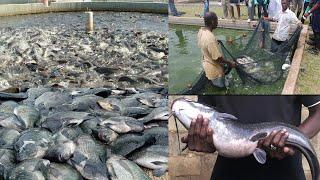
(285, 5)
(210, 20)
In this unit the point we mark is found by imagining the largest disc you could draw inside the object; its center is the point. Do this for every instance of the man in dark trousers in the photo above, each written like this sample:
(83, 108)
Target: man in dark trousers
(283, 162)
(315, 23)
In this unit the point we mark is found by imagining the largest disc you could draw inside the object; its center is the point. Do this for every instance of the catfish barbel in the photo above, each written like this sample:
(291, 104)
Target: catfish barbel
(234, 139)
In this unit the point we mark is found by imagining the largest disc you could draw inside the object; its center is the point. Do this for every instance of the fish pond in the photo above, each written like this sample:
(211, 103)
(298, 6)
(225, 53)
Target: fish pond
(125, 50)
(185, 62)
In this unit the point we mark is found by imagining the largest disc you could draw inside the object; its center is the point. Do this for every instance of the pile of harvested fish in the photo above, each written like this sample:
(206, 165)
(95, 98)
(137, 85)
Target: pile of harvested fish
(54, 49)
(83, 133)
(264, 71)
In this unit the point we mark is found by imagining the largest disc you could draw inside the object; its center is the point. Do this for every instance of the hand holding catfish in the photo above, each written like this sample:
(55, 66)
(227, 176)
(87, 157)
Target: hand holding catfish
(234, 139)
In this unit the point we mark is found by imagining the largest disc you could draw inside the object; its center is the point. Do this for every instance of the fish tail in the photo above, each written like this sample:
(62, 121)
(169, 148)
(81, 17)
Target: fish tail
(311, 158)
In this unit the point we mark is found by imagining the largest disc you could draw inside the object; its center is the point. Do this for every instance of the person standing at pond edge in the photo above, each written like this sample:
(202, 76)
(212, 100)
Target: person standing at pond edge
(212, 60)
(315, 23)
(286, 20)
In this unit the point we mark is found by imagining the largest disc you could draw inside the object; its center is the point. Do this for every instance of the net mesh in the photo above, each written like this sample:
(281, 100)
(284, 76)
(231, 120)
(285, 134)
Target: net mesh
(261, 60)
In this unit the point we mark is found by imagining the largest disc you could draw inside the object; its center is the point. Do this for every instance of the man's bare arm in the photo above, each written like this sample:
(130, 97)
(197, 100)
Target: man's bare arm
(311, 126)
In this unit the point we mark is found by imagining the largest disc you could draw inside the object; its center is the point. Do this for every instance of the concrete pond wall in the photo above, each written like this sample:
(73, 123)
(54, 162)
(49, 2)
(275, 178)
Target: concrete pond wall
(32, 8)
(195, 166)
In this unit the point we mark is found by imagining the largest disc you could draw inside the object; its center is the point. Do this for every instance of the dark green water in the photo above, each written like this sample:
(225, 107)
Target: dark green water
(185, 61)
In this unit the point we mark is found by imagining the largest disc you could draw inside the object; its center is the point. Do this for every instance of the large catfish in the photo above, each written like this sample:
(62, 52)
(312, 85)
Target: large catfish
(234, 139)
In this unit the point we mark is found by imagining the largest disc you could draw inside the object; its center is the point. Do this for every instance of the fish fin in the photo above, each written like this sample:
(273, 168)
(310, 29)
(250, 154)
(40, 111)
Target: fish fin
(159, 172)
(227, 116)
(258, 136)
(260, 155)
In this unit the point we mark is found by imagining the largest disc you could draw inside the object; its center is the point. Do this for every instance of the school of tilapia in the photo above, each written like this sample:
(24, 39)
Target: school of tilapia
(83, 133)
(125, 50)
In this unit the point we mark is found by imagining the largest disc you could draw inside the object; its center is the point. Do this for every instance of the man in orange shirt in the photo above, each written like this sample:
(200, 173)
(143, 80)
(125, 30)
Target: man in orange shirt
(212, 61)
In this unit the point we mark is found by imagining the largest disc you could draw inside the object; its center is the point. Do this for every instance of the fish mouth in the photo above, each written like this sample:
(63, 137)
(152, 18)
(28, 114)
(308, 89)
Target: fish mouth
(180, 98)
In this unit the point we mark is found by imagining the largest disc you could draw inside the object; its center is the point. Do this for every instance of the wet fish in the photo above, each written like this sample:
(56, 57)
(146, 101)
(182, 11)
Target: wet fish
(160, 134)
(49, 100)
(84, 103)
(8, 137)
(11, 121)
(8, 106)
(59, 171)
(27, 114)
(13, 96)
(123, 124)
(33, 143)
(54, 122)
(135, 111)
(7, 162)
(127, 143)
(121, 168)
(31, 169)
(89, 158)
(154, 157)
(105, 134)
(234, 139)
(160, 113)
(61, 151)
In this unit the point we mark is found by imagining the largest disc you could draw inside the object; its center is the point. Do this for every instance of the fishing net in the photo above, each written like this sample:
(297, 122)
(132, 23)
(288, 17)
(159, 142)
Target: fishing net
(261, 60)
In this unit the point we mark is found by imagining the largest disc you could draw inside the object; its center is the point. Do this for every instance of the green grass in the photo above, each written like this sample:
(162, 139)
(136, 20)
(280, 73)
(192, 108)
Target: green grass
(309, 76)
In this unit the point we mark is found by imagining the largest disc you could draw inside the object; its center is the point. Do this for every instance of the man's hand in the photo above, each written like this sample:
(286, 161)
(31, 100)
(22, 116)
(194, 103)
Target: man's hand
(306, 15)
(274, 144)
(233, 64)
(199, 136)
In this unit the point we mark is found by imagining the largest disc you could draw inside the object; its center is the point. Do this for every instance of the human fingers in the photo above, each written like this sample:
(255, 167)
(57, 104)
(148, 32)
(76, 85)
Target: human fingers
(267, 141)
(279, 138)
(289, 151)
(191, 135)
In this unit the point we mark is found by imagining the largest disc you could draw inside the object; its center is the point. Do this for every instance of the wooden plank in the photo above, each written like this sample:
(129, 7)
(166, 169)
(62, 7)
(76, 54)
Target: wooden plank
(290, 84)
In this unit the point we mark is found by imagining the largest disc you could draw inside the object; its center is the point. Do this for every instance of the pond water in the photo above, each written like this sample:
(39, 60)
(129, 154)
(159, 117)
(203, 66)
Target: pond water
(185, 61)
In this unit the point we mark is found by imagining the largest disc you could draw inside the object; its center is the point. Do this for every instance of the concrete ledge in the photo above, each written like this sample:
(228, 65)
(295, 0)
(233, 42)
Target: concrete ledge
(290, 84)
(21, 9)
(222, 23)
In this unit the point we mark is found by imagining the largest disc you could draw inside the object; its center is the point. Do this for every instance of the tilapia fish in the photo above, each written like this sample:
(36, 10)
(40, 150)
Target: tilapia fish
(234, 139)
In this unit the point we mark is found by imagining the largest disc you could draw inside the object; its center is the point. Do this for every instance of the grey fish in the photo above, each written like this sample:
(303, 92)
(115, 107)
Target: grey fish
(33, 143)
(59, 171)
(135, 111)
(34, 93)
(30, 169)
(110, 104)
(58, 120)
(13, 96)
(67, 133)
(123, 124)
(84, 103)
(234, 139)
(154, 157)
(160, 113)
(8, 106)
(121, 168)
(8, 137)
(89, 158)
(127, 143)
(7, 162)
(61, 151)
(49, 100)
(102, 92)
(105, 134)
(160, 134)
(27, 114)
(11, 121)
(89, 125)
